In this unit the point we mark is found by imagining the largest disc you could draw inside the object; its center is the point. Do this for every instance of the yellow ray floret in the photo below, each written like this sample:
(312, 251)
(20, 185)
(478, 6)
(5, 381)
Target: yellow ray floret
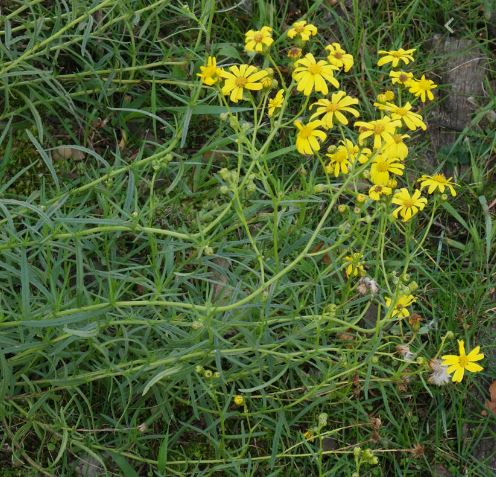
(276, 102)
(401, 307)
(332, 109)
(239, 78)
(309, 136)
(303, 30)
(210, 74)
(437, 182)
(457, 364)
(404, 113)
(380, 130)
(422, 88)
(338, 57)
(408, 205)
(258, 41)
(395, 56)
(312, 75)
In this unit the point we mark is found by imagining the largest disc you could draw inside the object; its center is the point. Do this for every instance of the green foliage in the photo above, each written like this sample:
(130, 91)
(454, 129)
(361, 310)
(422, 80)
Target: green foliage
(142, 286)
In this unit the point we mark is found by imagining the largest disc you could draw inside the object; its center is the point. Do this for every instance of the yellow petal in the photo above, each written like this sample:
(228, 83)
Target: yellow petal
(473, 367)
(458, 376)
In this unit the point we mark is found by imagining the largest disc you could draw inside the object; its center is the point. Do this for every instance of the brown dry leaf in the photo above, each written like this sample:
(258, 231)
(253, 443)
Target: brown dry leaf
(491, 404)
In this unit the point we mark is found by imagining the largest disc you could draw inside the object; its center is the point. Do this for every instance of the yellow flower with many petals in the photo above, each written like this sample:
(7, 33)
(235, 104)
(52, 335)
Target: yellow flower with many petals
(422, 88)
(377, 191)
(437, 182)
(309, 136)
(258, 41)
(381, 168)
(381, 130)
(395, 147)
(401, 307)
(338, 57)
(240, 78)
(400, 77)
(354, 265)
(276, 102)
(395, 56)
(311, 74)
(457, 364)
(385, 97)
(408, 205)
(302, 29)
(210, 74)
(340, 161)
(333, 109)
(405, 114)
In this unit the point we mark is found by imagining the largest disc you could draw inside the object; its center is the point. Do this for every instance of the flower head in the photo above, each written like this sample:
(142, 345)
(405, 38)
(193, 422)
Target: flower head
(354, 265)
(377, 191)
(302, 29)
(457, 364)
(294, 53)
(395, 56)
(258, 41)
(338, 57)
(408, 205)
(276, 102)
(400, 77)
(422, 88)
(340, 161)
(334, 108)
(210, 74)
(309, 136)
(382, 167)
(386, 96)
(401, 306)
(311, 74)
(437, 182)
(403, 113)
(240, 78)
(239, 400)
(380, 129)
(396, 147)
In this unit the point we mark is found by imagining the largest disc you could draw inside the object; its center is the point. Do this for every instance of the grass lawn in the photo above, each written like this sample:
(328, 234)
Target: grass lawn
(189, 287)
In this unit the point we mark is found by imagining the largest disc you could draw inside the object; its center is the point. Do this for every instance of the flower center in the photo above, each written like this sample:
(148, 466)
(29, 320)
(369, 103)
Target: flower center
(408, 202)
(463, 361)
(258, 37)
(403, 77)
(424, 84)
(401, 111)
(439, 178)
(299, 28)
(240, 81)
(315, 69)
(379, 129)
(397, 138)
(378, 189)
(305, 132)
(383, 166)
(338, 55)
(332, 107)
(397, 54)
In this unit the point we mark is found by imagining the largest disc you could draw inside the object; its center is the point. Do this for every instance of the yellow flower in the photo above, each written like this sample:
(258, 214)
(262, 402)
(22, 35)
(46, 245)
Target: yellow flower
(408, 205)
(386, 96)
(395, 56)
(340, 161)
(395, 147)
(294, 53)
(240, 78)
(311, 74)
(400, 77)
(302, 29)
(404, 113)
(401, 307)
(308, 137)
(381, 130)
(276, 102)
(210, 74)
(354, 265)
(333, 109)
(381, 168)
(377, 191)
(457, 364)
(258, 40)
(338, 57)
(437, 182)
(239, 400)
(422, 88)
(308, 435)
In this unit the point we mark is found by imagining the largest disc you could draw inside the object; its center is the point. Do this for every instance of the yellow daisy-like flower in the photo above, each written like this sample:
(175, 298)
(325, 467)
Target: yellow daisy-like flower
(302, 29)
(309, 136)
(437, 182)
(210, 74)
(408, 205)
(422, 88)
(401, 307)
(333, 109)
(400, 77)
(354, 265)
(395, 147)
(377, 191)
(381, 130)
(381, 168)
(405, 114)
(395, 56)
(276, 102)
(357, 153)
(457, 364)
(340, 161)
(386, 96)
(338, 57)
(258, 41)
(311, 74)
(240, 78)
(294, 53)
